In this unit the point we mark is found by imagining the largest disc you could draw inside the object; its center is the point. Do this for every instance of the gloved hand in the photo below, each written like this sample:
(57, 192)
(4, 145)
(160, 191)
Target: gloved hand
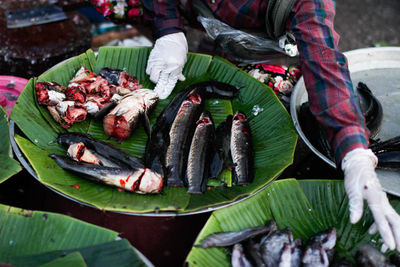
(361, 182)
(166, 61)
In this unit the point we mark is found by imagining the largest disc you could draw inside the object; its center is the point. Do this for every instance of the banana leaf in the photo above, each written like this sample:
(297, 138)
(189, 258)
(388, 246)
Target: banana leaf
(305, 206)
(9, 166)
(33, 238)
(113, 253)
(274, 136)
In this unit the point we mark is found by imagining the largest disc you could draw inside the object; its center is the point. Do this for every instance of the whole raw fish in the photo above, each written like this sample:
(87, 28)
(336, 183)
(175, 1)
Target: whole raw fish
(198, 159)
(241, 149)
(127, 179)
(118, 156)
(180, 137)
(224, 239)
(221, 147)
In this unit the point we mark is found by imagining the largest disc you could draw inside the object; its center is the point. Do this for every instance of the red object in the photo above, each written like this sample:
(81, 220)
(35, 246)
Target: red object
(10, 89)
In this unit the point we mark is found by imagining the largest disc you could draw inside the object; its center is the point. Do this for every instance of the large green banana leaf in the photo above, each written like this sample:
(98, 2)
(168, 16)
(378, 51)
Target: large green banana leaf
(305, 206)
(273, 133)
(9, 166)
(33, 238)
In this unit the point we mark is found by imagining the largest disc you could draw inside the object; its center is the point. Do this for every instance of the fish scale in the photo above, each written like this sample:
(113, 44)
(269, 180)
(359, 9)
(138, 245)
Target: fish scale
(197, 167)
(241, 149)
(180, 135)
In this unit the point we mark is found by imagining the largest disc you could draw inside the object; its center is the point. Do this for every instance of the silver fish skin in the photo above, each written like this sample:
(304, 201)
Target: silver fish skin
(112, 153)
(238, 257)
(286, 256)
(297, 253)
(315, 256)
(253, 250)
(225, 239)
(369, 256)
(241, 149)
(272, 246)
(126, 179)
(198, 162)
(180, 136)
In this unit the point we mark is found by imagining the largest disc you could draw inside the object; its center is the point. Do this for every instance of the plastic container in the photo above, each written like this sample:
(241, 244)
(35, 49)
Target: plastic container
(10, 88)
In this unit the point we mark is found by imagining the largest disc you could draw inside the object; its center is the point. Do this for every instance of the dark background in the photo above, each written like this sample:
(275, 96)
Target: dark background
(166, 241)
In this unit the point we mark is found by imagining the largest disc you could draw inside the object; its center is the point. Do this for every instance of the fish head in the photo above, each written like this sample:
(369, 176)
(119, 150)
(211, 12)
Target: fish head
(368, 255)
(315, 255)
(239, 116)
(195, 98)
(326, 238)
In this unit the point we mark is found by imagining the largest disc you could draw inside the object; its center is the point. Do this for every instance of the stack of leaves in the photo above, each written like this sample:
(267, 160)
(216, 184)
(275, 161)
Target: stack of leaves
(305, 206)
(33, 238)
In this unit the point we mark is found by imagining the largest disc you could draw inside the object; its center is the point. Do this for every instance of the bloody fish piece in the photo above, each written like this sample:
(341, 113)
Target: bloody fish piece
(180, 136)
(239, 258)
(241, 149)
(107, 150)
(124, 117)
(74, 114)
(121, 79)
(50, 93)
(150, 183)
(78, 152)
(198, 159)
(221, 147)
(225, 239)
(83, 75)
(75, 93)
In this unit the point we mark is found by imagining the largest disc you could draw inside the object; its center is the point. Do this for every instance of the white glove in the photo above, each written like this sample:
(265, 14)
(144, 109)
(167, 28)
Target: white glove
(361, 182)
(166, 61)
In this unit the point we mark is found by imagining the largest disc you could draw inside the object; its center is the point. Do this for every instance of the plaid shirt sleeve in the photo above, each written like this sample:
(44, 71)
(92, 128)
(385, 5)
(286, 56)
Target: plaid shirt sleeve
(164, 16)
(326, 76)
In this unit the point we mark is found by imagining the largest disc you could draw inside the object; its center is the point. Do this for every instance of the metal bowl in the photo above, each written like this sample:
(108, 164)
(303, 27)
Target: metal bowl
(379, 68)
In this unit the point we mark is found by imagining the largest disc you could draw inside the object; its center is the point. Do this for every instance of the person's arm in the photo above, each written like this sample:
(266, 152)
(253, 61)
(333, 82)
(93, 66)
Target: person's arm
(336, 107)
(168, 57)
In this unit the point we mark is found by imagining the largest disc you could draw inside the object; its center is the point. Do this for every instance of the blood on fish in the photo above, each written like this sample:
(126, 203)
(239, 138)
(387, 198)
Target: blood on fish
(195, 98)
(80, 152)
(122, 182)
(245, 131)
(240, 117)
(118, 120)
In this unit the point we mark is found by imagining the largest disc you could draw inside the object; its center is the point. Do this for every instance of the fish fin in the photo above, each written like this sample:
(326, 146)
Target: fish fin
(146, 124)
